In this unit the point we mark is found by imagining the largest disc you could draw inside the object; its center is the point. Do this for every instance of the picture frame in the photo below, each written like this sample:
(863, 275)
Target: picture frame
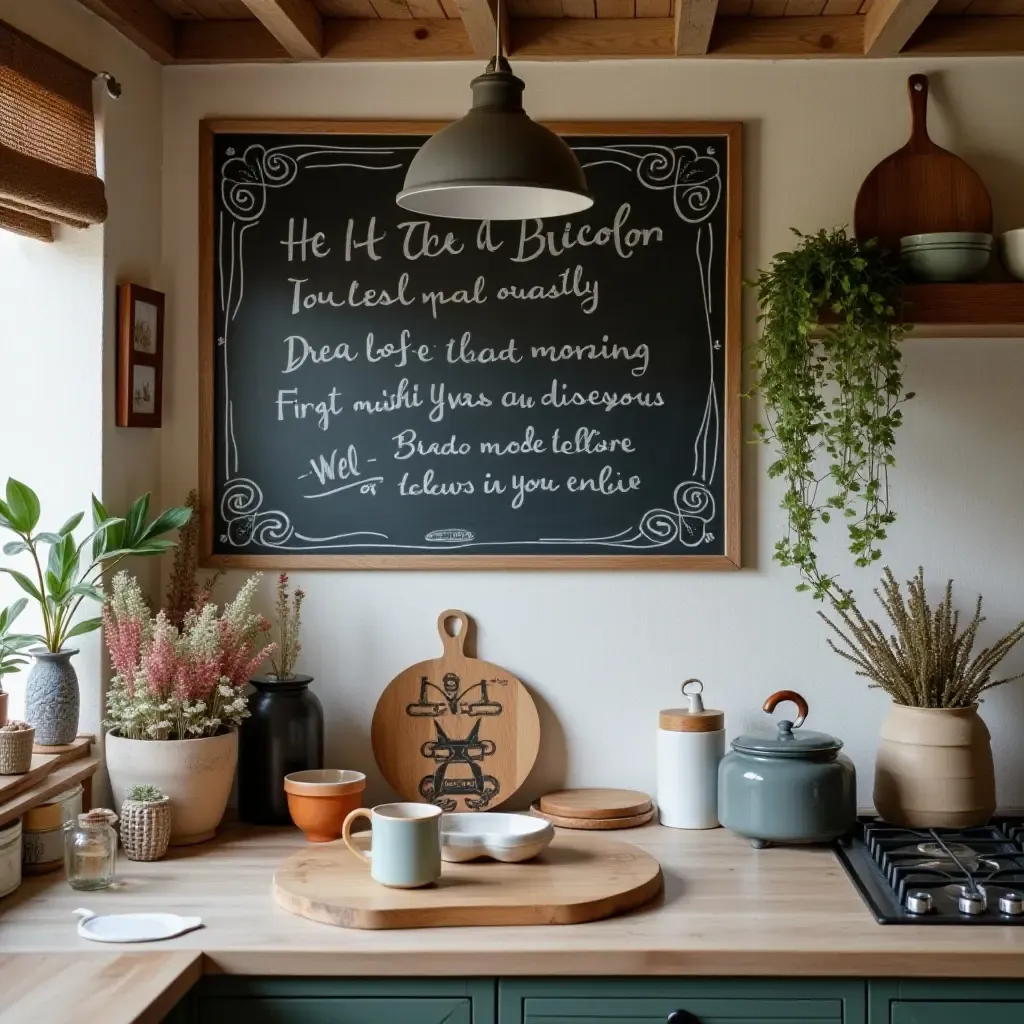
(140, 356)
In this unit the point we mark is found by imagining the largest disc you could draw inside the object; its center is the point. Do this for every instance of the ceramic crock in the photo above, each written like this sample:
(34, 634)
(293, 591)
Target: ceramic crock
(790, 786)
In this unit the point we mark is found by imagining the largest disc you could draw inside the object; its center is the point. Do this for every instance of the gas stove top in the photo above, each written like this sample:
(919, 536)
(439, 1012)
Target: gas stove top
(938, 876)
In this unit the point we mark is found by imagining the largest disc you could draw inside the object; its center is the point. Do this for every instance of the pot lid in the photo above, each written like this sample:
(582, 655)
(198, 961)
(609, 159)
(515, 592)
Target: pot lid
(789, 740)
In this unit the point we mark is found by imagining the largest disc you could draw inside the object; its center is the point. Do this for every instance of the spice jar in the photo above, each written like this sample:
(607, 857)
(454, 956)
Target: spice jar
(691, 743)
(90, 849)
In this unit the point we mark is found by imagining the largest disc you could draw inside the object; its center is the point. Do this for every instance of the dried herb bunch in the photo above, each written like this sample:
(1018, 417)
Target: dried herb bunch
(927, 662)
(289, 623)
(183, 593)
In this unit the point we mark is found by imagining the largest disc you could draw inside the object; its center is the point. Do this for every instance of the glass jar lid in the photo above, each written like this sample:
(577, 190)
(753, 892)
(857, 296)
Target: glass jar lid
(789, 740)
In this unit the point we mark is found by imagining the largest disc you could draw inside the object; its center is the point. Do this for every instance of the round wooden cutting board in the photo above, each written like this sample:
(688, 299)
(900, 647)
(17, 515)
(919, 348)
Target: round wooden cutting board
(594, 824)
(577, 878)
(455, 731)
(596, 803)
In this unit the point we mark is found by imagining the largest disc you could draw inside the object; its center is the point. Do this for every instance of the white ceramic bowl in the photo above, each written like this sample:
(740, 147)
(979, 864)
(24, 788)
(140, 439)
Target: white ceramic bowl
(947, 238)
(505, 837)
(1011, 249)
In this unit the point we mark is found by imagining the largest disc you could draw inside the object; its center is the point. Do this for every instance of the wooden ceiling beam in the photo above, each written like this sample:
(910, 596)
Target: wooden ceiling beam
(796, 37)
(967, 37)
(480, 20)
(295, 24)
(140, 21)
(694, 21)
(227, 42)
(889, 24)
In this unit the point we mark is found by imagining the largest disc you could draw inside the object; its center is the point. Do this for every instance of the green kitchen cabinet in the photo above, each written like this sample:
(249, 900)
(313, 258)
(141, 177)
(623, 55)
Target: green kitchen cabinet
(946, 1002)
(249, 1000)
(696, 1001)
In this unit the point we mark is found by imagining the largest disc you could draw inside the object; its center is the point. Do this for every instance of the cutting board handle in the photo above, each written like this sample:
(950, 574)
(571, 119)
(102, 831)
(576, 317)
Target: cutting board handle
(454, 643)
(917, 86)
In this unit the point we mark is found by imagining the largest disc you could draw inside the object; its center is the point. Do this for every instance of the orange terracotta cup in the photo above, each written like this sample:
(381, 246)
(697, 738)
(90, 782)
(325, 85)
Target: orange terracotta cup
(319, 800)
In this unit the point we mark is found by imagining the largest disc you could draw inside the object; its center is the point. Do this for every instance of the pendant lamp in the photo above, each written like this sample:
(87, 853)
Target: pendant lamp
(495, 163)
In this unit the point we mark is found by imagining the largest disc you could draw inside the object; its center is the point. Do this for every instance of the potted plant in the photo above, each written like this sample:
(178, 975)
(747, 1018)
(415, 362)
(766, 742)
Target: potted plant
(71, 575)
(285, 730)
(934, 763)
(16, 748)
(832, 394)
(11, 644)
(175, 701)
(145, 823)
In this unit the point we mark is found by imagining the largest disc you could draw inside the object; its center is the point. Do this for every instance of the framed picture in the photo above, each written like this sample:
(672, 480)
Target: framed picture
(140, 356)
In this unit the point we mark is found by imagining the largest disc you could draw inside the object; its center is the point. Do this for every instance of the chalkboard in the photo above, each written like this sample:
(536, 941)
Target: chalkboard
(382, 391)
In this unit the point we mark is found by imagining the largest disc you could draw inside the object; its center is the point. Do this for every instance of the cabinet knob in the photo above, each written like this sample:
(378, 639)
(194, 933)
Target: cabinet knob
(682, 1016)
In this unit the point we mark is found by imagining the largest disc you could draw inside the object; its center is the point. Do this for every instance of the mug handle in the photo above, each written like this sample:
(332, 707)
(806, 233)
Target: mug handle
(346, 831)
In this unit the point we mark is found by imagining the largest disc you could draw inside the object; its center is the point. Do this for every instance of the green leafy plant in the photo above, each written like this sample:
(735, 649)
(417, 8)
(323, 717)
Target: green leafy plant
(69, 573)
(146, 794)
(927, 662)
(832, 393)
(11, 644)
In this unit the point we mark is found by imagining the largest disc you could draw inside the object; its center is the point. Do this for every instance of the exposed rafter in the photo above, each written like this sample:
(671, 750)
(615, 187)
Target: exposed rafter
(889, 24)
(479, 17)
(694, 21)
(142, 22)
(295, 24)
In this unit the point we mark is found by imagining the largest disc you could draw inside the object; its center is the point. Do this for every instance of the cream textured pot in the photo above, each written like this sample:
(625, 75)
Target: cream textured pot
(934, 768)
(196, 775)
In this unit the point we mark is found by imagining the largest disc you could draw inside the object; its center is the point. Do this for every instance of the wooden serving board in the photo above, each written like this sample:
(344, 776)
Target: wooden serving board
(594, 824)
(455, 731)
(576, 879)
(596, 803)
(921, 187)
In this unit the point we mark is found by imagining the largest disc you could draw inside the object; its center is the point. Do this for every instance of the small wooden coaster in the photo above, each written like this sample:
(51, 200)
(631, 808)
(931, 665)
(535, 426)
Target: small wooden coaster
(596, 803)
(605, 824)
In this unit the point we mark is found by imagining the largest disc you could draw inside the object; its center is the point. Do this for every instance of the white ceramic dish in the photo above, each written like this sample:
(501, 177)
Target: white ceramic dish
(947, 238)
(133, 927)
(1011, 249)
(506, 837)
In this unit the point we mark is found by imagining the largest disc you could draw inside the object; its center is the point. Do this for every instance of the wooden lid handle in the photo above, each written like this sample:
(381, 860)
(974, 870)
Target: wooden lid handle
(454, 640)
(917, 86)
(777, 698)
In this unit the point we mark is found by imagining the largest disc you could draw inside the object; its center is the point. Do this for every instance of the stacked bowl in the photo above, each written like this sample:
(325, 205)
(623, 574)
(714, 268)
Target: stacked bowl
(946, 255)
(1011, 245)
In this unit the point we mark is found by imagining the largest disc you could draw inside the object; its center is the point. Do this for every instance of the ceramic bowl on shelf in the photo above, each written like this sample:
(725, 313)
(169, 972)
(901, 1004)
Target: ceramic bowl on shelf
(946, 255)
(506, 837)
(1011, 249)
(320, 799)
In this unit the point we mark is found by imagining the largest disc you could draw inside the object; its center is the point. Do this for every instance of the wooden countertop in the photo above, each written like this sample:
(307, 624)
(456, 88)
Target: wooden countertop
(726, 910)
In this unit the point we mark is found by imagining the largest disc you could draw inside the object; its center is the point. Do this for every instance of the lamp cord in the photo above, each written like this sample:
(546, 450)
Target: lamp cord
(497, 36)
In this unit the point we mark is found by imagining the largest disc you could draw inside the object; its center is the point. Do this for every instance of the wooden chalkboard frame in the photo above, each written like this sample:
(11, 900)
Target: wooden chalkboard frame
(730, 559)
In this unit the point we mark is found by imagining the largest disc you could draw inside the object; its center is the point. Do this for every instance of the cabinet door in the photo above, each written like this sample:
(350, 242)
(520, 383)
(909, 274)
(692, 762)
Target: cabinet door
(951, 1012)
(321, 1010)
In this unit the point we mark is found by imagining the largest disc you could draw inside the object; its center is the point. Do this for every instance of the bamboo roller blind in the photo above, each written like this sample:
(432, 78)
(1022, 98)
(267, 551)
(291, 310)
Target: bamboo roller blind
(47, 140)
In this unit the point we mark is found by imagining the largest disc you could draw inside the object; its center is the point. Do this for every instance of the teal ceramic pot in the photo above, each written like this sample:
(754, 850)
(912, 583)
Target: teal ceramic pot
(787, 786)
(51, 697)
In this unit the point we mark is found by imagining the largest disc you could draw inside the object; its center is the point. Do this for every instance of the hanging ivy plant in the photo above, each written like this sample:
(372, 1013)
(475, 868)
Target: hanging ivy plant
(832, 394)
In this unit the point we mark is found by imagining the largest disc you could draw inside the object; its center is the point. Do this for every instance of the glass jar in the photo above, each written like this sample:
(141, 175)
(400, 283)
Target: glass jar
(90, 850)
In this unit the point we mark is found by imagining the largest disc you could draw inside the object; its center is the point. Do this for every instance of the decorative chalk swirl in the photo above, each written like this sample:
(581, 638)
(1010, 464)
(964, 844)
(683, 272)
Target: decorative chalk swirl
(687, 525)
(244, 524)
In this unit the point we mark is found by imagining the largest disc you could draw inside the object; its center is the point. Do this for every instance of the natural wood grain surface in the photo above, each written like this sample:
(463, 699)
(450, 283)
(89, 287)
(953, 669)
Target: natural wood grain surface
(572, 881)
(595, 802)
(480, 20)
(295, 24)
(726, 910)
(115, 988)
(56, 782)
(455, 731)
(11, 785)
(889, 24)
(594, 824)
(65, 752)
(693, 23)
(144, 24)
(921, 187)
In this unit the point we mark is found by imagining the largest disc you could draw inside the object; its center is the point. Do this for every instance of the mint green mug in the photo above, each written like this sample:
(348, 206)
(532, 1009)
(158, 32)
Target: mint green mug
(405, 845)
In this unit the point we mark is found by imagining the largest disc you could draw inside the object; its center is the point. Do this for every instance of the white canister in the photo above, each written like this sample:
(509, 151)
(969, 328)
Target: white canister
(10, 857)
(691, 742)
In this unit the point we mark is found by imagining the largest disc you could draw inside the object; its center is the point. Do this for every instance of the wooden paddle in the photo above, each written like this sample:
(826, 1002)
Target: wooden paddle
(921, 187)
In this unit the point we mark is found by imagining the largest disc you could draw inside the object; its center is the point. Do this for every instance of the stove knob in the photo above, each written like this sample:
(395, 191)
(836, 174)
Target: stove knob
(972, 903)
(919, 902)
(1011, 903)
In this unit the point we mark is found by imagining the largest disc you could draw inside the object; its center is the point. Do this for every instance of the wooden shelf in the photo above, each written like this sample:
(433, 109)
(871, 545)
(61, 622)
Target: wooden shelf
(970, 304)
(53, 784)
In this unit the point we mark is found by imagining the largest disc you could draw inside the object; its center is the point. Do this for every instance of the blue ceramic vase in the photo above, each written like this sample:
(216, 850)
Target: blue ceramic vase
(51, 697)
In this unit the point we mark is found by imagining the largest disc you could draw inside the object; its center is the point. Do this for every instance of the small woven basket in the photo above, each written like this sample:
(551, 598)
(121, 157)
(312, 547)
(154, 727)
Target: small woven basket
(145, 828)
(16, 751)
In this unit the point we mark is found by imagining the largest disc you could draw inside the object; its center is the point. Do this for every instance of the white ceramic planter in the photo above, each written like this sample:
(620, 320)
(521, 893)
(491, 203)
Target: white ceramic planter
(10, 857)
(196, 775)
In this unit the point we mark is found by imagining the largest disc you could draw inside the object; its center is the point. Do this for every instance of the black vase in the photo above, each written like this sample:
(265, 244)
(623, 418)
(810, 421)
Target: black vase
(284, 734)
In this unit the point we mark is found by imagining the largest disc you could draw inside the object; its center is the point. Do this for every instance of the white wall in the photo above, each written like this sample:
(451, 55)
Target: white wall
(57, 313)
(603, 652)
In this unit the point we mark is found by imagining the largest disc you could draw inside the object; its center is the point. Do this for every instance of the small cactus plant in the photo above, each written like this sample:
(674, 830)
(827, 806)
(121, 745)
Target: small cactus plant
(145, 823)
(145, 794)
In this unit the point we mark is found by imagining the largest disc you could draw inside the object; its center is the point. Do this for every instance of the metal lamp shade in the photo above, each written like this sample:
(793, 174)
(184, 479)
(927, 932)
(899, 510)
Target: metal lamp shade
(495, 163)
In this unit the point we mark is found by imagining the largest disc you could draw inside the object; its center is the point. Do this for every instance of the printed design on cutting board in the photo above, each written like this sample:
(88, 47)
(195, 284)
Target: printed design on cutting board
(694, 181)
(448, 753)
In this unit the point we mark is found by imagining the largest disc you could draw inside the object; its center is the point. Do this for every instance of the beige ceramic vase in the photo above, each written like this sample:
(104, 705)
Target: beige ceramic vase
(934, 768)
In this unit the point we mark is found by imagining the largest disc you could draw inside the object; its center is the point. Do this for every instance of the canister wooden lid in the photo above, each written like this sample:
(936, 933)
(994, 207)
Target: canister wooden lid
(695, 718)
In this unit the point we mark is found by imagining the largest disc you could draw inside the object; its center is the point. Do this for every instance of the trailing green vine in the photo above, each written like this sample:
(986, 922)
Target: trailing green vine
(831, 395)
